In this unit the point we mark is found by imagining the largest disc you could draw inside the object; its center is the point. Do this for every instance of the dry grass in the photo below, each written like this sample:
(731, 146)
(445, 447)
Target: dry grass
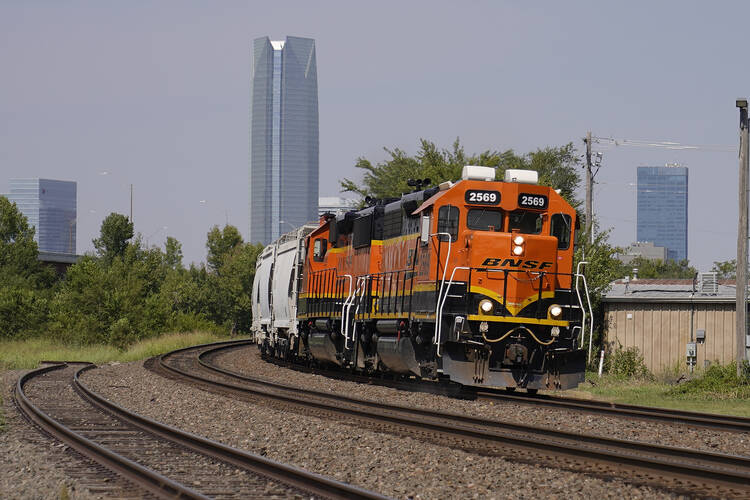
(26, 354)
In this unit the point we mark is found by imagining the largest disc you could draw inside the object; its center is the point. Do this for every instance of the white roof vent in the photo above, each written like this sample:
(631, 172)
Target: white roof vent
(477, 173)
(709, 284)
(522, 176)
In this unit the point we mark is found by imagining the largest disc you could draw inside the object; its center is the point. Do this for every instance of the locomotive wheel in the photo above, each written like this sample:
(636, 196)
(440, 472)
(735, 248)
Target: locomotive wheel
(510, 389)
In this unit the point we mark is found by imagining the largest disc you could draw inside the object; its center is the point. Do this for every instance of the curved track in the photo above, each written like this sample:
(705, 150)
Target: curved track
(683, 470)
(713, 421)
(153, 459)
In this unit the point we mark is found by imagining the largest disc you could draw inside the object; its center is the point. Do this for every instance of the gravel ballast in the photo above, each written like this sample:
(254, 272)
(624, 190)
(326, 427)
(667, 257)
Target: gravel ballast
(401, 467)
(248, 361)
(33, 465)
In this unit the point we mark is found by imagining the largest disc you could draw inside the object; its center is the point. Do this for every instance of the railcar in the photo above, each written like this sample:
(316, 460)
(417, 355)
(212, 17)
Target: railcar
(470, 281)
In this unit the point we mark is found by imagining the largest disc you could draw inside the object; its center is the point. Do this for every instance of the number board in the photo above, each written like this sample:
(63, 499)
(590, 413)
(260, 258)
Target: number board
(481, 197)
(537, 201)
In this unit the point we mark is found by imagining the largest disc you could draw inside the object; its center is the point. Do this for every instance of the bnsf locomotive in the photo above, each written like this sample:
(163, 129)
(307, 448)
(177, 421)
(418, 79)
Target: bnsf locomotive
(471, 281)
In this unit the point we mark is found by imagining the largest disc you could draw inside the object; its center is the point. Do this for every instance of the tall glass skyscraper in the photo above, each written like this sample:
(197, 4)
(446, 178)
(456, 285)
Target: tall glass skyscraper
(663, 208)
(50, 206)
(283, 137)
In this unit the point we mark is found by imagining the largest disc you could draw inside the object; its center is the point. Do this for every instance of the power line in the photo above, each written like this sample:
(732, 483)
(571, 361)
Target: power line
(671, 145)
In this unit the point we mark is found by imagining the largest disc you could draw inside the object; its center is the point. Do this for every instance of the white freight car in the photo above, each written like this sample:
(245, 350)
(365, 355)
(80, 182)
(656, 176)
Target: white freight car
(277, 278)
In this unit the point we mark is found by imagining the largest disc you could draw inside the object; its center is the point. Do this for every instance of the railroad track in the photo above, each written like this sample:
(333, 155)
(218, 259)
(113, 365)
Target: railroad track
(713, 421)
(150, 459)
(678, 469)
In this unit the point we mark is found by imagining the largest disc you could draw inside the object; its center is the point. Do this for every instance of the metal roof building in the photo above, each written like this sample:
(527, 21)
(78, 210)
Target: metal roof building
(673, 322)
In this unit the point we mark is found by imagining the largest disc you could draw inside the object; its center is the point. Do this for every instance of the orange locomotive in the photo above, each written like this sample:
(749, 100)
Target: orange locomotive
(472, 281)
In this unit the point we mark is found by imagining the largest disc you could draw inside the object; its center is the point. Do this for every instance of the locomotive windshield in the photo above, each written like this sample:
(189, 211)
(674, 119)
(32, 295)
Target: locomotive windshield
(483, 219)
(525, 221)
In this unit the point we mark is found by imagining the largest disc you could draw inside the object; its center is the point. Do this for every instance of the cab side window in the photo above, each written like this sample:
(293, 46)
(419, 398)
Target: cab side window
(561, 229)
(448, 222)
(319, 249)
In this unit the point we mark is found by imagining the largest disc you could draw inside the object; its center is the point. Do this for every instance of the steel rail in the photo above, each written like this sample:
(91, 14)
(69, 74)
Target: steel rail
(713, 421)
(154, 482)
(141, 476)
(694, 419)
(711, 468)
(288, 474)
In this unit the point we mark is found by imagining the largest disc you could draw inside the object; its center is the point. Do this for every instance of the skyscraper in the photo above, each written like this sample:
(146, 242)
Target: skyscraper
(283, 137)
(50, 206)
(663, 208)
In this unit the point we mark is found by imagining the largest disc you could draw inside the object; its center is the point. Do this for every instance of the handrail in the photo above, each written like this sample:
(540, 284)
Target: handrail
(364, 279)
(442, 281)
(583, 310)
(344, 318)
(439, 314)
(360, 281)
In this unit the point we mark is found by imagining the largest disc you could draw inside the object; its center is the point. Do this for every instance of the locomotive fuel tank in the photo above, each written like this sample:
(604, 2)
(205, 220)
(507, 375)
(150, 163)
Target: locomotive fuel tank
(397, 354)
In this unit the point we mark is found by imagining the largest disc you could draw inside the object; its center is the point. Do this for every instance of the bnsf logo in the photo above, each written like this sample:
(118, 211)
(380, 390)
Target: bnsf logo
(520, 263)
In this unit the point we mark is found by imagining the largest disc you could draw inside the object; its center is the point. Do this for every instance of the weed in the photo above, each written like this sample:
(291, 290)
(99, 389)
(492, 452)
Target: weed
(716, 382)
(626, 363)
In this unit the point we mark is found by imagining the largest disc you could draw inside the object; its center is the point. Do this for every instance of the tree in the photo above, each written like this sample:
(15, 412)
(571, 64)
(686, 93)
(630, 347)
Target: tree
(556, 167)
(113, 237)
(602, 266)
(659, 269)
(173, 253)
(726, 270)
(18, 250)
(238, 273)
(25, 282)
(220, 243)
(601, 270)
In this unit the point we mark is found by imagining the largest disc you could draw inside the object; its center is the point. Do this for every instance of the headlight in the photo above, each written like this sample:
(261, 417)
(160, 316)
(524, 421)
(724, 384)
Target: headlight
(518, 240)
(485, 306)
(517, 250)
(555, 311)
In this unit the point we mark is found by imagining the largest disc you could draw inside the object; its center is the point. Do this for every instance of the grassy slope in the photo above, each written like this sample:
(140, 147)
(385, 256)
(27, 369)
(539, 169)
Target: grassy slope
(661, 394)
(26, 354)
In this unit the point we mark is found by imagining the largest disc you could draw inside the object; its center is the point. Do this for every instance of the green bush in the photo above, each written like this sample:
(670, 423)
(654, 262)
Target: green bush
(22, 311)
(626, 363)
(716, 382)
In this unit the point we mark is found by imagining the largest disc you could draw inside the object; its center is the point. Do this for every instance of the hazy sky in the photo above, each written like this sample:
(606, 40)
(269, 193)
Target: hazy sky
(157, 95)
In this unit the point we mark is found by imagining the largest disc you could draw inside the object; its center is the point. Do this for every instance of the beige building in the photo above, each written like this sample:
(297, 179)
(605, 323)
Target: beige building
(673, 322)
(645, 249)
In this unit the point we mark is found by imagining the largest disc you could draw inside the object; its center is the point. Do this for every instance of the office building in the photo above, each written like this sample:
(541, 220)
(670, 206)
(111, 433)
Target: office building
(283, 137)
(50, 206)
(335, 205)
(663, 208)
(643, 249)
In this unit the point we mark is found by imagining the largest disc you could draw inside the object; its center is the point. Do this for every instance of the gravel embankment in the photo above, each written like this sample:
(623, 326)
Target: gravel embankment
(398, 467)
(248, 361)
(31, 464)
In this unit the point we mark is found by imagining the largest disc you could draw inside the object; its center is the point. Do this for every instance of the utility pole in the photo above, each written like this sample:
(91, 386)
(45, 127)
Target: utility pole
(742, 239)
(589, 191)
(131, 203)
